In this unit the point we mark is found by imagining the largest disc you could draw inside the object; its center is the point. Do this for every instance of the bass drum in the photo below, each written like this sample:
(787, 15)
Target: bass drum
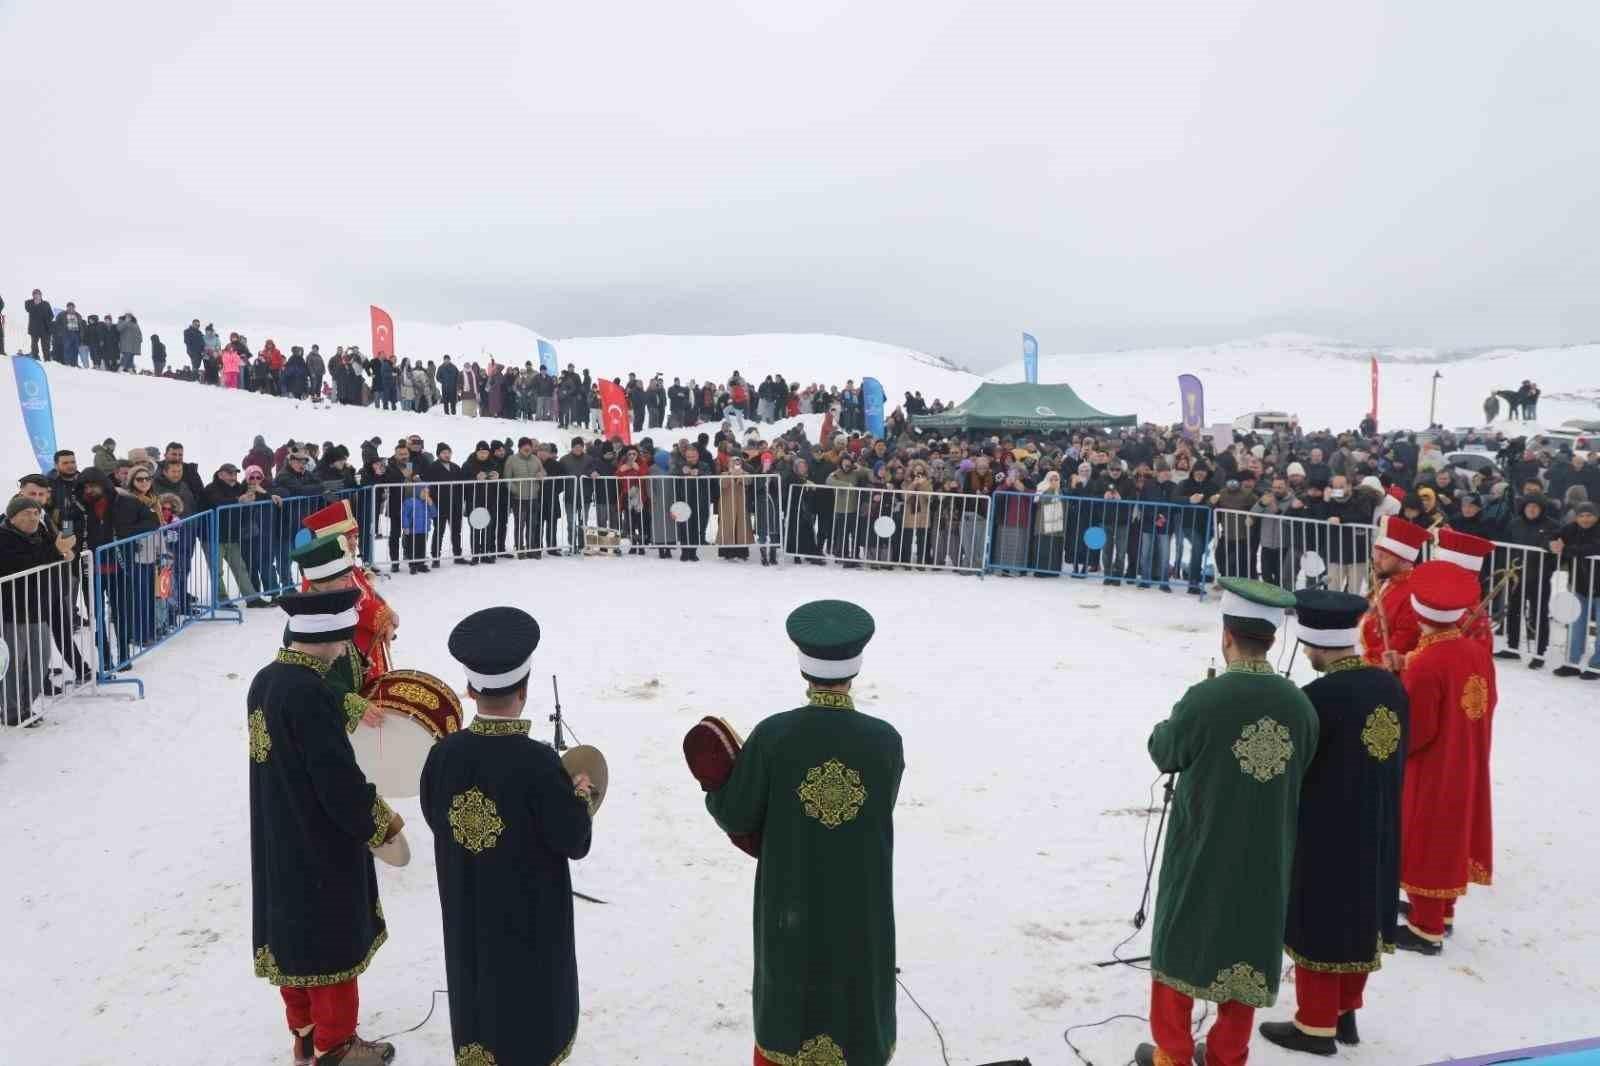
(419, 710)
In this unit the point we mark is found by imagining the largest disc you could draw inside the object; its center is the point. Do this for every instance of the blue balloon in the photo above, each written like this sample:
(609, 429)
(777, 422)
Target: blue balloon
(1094, 538)
(302, 538)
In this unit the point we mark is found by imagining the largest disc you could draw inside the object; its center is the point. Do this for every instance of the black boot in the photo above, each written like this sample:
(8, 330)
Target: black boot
(1347, 1034)
(1291, 1036)
(1407, 940)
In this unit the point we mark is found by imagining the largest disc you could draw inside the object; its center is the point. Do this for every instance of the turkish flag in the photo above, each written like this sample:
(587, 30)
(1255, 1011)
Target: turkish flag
(614, 419)
(382, 334)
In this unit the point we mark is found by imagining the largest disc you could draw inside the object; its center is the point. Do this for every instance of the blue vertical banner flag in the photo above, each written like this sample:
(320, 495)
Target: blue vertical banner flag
(38, 416)
(1030, 359)
(547, 357)
(1193, 399)
(872, 405)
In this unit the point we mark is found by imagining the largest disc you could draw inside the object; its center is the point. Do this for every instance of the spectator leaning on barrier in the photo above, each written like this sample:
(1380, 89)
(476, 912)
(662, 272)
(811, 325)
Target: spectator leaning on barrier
(24, 604)
(1578, 547)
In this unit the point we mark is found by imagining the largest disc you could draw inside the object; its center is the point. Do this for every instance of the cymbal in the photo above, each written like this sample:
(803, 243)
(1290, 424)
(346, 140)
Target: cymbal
(587, 759)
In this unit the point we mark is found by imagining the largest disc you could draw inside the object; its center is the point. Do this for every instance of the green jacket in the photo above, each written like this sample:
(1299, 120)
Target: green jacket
(819, 783)
(1241, 743)
(521, 469)
(844, 499)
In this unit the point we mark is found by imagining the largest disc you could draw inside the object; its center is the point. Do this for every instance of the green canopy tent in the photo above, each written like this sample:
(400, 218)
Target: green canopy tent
(1020, 406)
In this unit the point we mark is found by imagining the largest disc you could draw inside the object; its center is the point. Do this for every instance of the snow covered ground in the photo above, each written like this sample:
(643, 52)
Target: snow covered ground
(1024, 705)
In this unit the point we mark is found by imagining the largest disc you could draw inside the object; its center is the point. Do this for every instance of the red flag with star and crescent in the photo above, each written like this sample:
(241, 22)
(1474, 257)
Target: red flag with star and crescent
(382, 334)
(614, 419)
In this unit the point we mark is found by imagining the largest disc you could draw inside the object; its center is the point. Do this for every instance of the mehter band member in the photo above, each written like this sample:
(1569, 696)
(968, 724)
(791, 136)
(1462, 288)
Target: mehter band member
(1389, 630)
(326, 565)
(506, 821)
(1447, 836)
(819, 784)
(1241, 743)
(313, 821)
(378, 622)
(1343, 900)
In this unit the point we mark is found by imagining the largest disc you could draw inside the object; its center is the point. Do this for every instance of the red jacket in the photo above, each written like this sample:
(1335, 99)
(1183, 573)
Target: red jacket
(1447, 834)
(629, 476)
(1393, 598)
(273, 356)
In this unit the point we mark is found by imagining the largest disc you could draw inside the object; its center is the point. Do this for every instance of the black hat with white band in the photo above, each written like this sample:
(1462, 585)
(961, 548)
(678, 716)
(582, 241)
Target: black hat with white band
(830, 636)
(321, 617)
(496, 646)
(1328, 619)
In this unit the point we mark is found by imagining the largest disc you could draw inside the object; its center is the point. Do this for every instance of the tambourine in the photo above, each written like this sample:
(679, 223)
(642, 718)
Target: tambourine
(711, 747)
(418, 710)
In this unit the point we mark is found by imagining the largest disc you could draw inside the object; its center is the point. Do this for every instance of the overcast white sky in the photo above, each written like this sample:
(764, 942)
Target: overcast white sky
(941, 174)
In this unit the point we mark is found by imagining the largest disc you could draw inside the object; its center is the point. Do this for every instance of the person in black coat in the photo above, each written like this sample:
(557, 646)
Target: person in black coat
(41, 317)
(554, 503)
(507, 820)
(1345, 882)
(449, 378)
(447, 475)
(1579, 548)
(194, 344)
(1199, 491)
(314, 819)
(1529, 592)
(479, 471)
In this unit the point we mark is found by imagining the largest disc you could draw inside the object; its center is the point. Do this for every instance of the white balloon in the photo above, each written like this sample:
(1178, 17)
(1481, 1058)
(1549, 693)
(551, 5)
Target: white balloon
(478, 518)
(680, 511)
(1313, 565)
(884, 526)
(1565, 608)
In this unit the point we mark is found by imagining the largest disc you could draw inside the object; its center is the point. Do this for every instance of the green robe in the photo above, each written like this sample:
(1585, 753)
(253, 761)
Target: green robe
(1241, 744)
(819, 783)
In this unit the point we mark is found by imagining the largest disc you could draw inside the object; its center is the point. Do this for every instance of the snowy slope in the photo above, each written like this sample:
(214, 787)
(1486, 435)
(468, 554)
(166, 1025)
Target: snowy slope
(1326, 383)
(1017, 831)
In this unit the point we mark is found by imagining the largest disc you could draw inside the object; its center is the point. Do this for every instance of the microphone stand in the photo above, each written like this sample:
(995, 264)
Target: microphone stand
(1142, 914)
(561, 739)
(561, 745)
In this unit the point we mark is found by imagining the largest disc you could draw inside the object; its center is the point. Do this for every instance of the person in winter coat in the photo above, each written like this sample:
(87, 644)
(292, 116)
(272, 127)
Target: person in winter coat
(417, 515)
(294, 374)
(232, 364)
(130, 341)
(108, 352)
(634, 500)
(1529, 592)
(523, 472)
(194, 345)
(421, 389)
(40, 318)
(158, 355)
(260, 455)
(316, 368)
(449, 379)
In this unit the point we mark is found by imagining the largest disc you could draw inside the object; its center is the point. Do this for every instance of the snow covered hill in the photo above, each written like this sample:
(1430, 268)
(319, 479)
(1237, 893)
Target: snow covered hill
(1325, 382)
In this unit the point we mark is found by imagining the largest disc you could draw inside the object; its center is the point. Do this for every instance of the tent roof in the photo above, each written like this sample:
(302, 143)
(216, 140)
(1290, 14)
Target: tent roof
(1021, 406)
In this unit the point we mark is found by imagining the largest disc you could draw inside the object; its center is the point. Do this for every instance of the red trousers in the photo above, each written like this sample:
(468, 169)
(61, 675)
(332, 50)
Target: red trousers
(762, 1060)
(1430, 917)
(1171, 1016)
(1322, 997)
(332, 1009)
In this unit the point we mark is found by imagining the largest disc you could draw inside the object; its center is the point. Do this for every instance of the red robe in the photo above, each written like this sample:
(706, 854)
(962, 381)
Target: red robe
(1392, 596)
(1447, 837)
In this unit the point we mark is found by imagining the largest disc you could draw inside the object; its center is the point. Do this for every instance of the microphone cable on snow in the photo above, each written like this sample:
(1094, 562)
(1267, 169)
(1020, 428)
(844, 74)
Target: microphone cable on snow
(433, 1001)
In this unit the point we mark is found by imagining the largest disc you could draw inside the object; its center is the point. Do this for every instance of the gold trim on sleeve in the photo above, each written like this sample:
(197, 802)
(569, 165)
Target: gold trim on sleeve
(382, 815)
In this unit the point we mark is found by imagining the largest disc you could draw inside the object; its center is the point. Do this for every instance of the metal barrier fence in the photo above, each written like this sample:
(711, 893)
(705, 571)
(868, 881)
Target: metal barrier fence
(1548, 601)
(415, 523)
(887, 528)
(254, 539)
(148, 588)
(1274, 549)
(1145, 542)
(48, 639)
(731, 513)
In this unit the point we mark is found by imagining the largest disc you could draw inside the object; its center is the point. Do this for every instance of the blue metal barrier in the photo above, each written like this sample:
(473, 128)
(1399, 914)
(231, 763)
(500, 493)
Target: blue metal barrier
(150, 587)
(1144, 542)
(254, 539)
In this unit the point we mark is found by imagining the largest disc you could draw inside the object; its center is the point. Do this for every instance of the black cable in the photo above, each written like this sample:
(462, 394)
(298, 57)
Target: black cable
(433, 1001)
(943, 1054)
